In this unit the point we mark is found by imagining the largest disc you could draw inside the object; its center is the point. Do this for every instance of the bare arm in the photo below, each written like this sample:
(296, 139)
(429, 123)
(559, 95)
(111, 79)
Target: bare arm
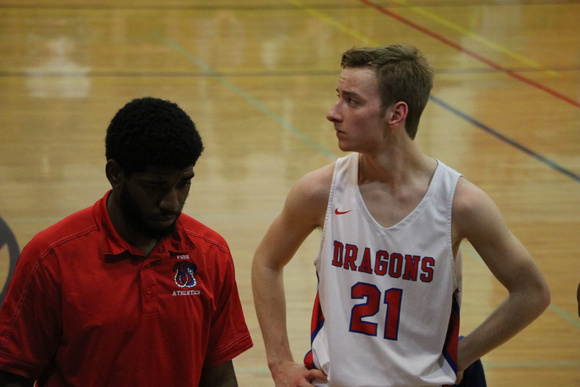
(477, 218)
(303, 211)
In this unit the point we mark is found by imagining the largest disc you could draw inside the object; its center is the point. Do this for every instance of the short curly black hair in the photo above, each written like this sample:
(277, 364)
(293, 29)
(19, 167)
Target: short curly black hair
(151, 132)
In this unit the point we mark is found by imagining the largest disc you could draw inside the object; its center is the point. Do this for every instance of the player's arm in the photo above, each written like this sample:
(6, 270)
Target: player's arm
(8, 379)
(477, 219)
(303, 211)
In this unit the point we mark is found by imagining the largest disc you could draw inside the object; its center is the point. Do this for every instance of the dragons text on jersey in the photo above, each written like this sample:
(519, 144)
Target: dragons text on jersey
(405, 266)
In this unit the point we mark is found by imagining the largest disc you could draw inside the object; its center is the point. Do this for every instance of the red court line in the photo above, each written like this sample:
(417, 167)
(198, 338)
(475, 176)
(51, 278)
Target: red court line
(472, 54)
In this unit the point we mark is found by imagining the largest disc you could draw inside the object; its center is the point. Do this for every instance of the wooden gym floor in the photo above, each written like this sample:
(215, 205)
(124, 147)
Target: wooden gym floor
(258, 77)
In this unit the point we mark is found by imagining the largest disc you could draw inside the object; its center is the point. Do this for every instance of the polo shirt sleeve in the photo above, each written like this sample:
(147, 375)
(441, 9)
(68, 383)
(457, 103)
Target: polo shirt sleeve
(229, 335)
(30, 325)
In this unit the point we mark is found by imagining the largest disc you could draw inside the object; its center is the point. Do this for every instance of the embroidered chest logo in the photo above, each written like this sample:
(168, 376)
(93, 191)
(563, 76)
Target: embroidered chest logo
(185, 274)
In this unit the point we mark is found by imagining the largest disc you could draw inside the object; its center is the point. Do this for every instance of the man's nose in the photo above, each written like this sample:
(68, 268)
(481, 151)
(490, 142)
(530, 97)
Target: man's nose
(170, 201)
(333, 114)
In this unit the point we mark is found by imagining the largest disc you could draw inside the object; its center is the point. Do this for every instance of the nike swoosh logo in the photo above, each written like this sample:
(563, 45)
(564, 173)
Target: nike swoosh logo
(337, 212)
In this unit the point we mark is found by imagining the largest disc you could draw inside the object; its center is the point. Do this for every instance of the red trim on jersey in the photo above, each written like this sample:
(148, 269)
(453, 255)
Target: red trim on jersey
(452, 338)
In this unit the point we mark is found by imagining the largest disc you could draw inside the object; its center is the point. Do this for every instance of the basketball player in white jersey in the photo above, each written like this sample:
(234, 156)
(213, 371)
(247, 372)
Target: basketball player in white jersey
(389, 267)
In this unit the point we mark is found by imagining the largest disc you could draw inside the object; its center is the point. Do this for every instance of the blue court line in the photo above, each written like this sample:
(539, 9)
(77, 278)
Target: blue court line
(289, 127)
(506, 139)
(296, 132)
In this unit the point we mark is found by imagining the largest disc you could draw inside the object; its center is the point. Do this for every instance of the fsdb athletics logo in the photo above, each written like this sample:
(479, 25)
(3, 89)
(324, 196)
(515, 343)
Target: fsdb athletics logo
(185, 274)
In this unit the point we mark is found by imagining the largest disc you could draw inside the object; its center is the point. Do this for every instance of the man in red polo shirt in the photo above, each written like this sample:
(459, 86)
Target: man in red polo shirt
(130, 291)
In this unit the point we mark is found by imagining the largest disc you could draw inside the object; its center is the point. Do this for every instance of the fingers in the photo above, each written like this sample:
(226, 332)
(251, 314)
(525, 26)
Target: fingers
(316, 374)
(290, 374)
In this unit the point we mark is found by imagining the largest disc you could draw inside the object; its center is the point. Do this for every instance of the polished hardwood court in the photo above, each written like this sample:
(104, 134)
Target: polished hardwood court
(258, 77)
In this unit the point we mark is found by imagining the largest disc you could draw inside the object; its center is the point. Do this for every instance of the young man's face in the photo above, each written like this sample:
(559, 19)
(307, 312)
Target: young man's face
(151, 201)
(357, 117)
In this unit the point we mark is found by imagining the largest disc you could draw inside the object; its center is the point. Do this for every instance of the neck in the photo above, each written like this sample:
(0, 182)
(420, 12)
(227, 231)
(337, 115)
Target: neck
(396, 162)
(125, 230)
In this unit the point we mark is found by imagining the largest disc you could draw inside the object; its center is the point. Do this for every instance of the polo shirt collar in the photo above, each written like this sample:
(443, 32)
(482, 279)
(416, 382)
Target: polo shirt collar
(111, 243)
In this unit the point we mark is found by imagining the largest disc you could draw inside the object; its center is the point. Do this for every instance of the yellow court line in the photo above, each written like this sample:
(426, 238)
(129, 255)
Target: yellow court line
(333, 22)
(505, 51)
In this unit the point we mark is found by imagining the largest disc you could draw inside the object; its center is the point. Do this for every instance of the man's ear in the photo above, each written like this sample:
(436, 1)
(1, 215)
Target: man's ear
(114, 173)
(397, 113)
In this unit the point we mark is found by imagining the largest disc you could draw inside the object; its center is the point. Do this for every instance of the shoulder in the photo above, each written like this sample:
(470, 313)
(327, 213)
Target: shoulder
(474, 211)
(446, 169)
(316, 184)
(469, 197)
(202, 235)
(308, 198)
(63, 239)
(304, 210)
(66, 230)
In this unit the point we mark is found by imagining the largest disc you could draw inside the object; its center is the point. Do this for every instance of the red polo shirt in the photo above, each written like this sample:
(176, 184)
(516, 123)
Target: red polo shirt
(84, 308)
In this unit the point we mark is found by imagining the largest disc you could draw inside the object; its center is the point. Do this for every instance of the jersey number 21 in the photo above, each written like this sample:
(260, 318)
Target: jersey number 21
(370, 307)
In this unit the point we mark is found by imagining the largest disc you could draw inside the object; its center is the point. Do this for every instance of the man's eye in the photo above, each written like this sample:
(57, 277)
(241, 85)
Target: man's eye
(154, 185)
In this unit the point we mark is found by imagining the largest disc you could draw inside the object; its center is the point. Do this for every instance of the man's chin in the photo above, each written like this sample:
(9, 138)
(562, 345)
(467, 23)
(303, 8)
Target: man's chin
(165, 222)
(158, 231)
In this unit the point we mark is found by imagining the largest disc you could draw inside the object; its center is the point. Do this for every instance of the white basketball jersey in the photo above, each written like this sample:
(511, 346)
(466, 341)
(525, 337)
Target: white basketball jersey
(387, 308)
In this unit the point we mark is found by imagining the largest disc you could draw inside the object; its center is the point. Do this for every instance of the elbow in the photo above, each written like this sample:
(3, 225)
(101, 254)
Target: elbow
(538, 292)
(264, 271)
(534, 298)
(545, 297)
(541, 297)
